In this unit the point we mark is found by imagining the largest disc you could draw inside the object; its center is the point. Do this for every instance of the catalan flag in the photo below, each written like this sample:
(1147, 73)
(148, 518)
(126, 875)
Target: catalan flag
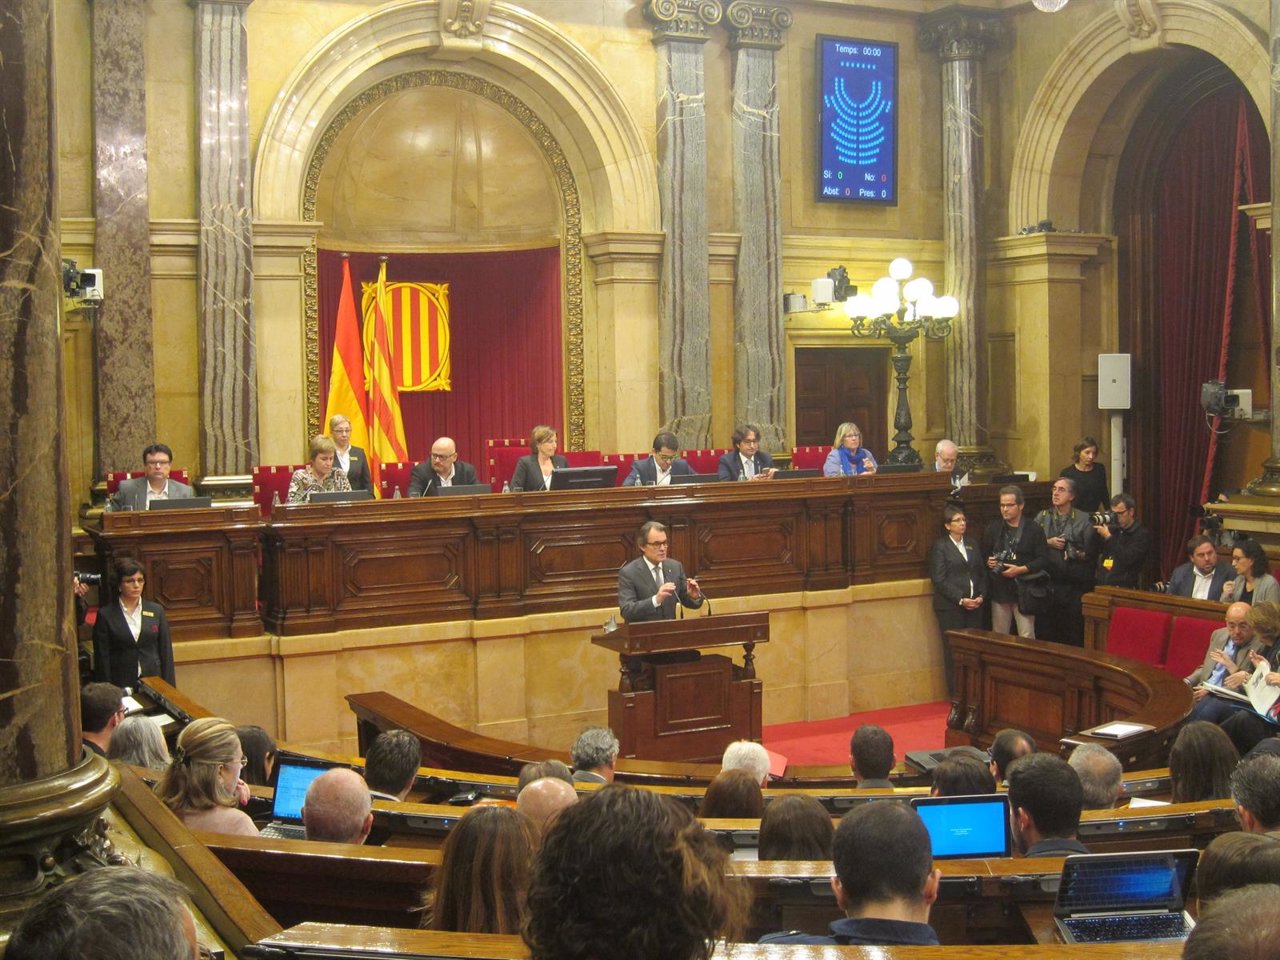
(346, 377)
(386, 428)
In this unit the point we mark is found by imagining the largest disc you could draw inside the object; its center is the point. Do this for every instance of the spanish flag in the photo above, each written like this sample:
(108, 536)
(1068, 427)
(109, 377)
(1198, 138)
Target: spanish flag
(346, 377)
(386, 428)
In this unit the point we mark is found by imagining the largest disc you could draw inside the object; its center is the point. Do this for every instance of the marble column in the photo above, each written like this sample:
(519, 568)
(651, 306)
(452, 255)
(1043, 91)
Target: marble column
(46, 791)
(228, 355)
(126, 396)
(961, 37)
(684, 355)
(1268, 485)
(760, 383)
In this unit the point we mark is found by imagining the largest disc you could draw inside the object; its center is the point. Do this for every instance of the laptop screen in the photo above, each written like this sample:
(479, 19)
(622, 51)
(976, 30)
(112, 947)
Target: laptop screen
(292, 781)
(1125, 881)
(976, 826)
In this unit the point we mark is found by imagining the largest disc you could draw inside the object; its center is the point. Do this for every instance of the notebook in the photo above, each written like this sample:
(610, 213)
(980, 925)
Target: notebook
(293, 777)
(972, 827)
(1120, 897)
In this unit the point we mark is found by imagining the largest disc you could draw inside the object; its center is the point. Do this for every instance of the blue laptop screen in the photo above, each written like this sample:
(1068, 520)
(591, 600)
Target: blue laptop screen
(966, 826)
(291, 789)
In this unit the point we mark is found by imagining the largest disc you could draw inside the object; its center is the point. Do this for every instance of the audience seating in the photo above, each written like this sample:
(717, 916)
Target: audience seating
(116, 477)
(1139, 634)
(705, 461)
(1168, 632)
(270, 482)
(1188, 642)
(808, 458)
(394, 475)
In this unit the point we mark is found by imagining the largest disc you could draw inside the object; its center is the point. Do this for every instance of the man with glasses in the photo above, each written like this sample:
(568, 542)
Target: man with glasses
(746, 461)
(649, 585)
(661, 466)
(1072, 555)
(444, 469)
(137, 494)
(1126, 544)
(1013, 548)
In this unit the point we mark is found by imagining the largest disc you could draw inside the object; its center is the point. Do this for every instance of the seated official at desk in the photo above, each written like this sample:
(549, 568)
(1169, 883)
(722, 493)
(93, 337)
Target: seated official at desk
(664, 463)
(848, 457)
(534, 471)
(137, 494)
(649, 585)
(746, 461)
(350, 460)
(444, 469)
(131, 637)
(318, 476)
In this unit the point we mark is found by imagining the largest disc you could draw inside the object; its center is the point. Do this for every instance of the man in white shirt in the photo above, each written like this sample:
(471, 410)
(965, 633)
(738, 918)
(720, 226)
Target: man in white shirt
(664, 463)
(444, 469)
(137, 494)
(1203, 576)
(650, 585)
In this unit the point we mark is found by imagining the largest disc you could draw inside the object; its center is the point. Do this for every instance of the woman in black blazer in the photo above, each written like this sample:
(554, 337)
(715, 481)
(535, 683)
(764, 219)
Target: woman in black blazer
(534, 471)
(959, 574)
(118, 656)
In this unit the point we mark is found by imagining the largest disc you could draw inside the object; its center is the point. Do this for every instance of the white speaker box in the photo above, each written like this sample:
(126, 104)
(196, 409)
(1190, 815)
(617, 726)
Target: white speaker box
(1113, 381)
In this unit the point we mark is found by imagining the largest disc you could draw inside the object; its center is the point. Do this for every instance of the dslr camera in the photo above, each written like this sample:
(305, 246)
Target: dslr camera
(1005, 558)
(1104, 518)
(90, 579)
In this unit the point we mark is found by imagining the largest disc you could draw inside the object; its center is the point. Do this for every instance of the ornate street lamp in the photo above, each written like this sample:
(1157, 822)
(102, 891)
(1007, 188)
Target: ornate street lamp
(899, 309)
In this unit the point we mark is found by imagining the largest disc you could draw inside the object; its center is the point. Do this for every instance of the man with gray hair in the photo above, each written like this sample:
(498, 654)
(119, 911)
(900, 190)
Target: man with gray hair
(593, 755)
(108, 913)
(337, 807)
(945, 455)
(1100, 773)
(1255, 788)
(391, 765)
(1071, 554)
(749, 756)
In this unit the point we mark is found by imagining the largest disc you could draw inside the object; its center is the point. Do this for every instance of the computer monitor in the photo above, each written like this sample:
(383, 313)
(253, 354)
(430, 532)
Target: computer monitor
(688, 478)
(806, 474)
(584, 478)
(463, 490)
(974, 827)
(340, 496)
(181, 503)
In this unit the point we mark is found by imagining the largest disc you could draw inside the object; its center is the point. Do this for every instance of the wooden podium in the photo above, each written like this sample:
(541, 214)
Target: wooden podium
(674, 703)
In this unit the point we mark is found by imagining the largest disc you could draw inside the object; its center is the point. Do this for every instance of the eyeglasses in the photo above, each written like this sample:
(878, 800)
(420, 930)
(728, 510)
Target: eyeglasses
(443, 456)
(158, 463)
(659, 544)
(665, 457)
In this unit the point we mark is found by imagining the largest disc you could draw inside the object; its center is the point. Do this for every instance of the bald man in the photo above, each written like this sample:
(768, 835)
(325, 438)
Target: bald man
(444, 469)
(543, 799)
(1226, 663)
(337, 807)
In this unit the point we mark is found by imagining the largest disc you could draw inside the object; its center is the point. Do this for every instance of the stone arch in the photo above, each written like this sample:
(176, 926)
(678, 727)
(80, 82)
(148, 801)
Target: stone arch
(1049, 165)
(518, 51)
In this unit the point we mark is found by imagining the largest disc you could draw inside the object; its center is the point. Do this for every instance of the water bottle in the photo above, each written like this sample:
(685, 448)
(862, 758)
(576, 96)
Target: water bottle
(506, 486)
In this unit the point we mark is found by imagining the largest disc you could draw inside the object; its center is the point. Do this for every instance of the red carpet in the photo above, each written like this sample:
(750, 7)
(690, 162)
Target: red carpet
(918, 727)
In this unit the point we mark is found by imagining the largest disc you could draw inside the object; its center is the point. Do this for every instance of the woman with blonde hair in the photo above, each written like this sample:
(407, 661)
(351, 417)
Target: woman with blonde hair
(534, 471)
(202, 785)
(848, 457)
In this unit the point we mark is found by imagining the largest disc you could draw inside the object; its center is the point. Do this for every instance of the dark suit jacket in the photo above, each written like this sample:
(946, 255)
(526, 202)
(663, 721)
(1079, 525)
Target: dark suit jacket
(358, 476)
(1183, 579)
(528, 475)
(1218, 640)
(636, 588)
(1028, 550)
(424, 482)
(731, 464)
(951, 573)
(116, 657)
(646, 471)
(132, 494)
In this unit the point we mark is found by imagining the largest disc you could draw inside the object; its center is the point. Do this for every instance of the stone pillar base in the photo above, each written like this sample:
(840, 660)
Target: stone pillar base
(980, 462)
(1267, 485)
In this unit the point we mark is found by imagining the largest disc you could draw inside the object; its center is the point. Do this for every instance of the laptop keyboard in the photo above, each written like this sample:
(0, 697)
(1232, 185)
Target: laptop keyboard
(284, 831)
(1169, 926)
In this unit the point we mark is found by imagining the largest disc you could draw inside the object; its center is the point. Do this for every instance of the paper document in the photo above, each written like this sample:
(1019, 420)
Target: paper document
(1256, 693)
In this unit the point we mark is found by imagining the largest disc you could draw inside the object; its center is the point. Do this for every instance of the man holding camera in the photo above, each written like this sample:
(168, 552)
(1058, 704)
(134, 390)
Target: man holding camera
(1126, 543)
(1013, 549)
(1071, 555)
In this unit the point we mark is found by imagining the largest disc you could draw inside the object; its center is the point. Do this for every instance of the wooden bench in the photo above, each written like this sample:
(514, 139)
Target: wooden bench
(1155, 628)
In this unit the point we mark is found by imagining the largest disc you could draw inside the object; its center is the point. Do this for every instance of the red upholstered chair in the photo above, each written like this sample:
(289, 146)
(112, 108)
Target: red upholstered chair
(705, 461)
(1188, 642)
(1139, 634)
(502, 458)
(269, 482)
(623, 462)
(582, 458)
(115, 477)
(808, 458)
(394, 475)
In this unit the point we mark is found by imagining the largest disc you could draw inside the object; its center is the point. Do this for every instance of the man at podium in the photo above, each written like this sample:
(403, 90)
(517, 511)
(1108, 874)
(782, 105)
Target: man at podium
(649, 585)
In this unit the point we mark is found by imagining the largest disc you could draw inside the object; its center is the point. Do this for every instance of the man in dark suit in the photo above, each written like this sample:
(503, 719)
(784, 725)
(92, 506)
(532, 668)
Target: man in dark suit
(444, 469)
(661, 466)
(101, 710)
(747, 461)
(351, 460)
(1203, 575)
(137, 493)
(649, 585)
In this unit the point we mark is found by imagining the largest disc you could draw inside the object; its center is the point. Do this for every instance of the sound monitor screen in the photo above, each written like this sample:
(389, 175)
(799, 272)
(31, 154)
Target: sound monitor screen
(857, 121)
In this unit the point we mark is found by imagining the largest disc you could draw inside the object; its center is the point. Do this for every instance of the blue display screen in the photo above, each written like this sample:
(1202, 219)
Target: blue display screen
(857, 121)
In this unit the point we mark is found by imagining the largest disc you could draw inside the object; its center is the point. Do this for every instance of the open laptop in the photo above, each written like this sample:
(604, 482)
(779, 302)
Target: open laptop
(1121, 897)
(181, 503)
(972, 827)
(293, 777)
(339, 496)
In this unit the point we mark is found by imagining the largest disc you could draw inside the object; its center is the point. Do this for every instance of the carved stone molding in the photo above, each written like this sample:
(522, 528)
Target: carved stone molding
(754, 24)
(463, 19)
(575, 427)
(225, 3)
(682, 19)
(959, 33)
(1141, 19)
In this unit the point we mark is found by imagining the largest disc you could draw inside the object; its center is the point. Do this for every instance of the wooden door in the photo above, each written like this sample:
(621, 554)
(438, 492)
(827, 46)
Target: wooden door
(835, 384)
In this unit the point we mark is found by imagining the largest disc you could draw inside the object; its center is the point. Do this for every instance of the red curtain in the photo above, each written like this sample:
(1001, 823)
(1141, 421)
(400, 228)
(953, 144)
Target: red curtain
(505, 343)
(1201, 239)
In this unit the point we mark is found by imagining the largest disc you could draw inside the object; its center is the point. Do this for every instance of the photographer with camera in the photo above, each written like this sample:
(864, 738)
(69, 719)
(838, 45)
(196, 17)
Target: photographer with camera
(1072, 556)
(1126, 543)
(1014, 548)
